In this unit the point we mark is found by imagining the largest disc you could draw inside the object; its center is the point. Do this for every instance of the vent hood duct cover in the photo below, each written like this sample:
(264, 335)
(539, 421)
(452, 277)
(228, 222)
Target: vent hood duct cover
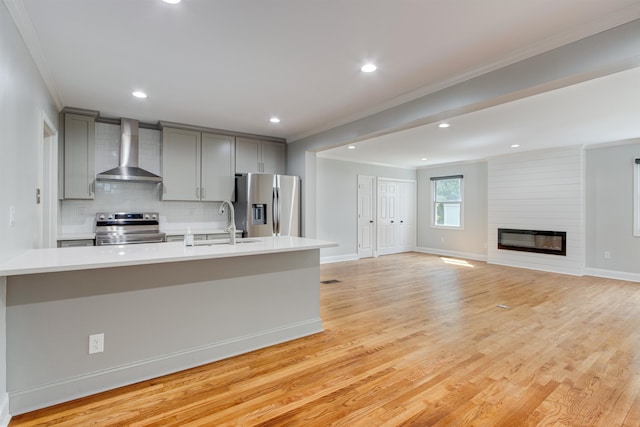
(128, 169)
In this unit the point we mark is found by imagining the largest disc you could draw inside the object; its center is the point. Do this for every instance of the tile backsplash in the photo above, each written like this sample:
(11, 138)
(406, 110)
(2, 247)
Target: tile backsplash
(78, 216)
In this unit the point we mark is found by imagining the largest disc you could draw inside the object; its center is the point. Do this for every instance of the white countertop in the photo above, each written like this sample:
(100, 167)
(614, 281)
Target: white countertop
(84, 258)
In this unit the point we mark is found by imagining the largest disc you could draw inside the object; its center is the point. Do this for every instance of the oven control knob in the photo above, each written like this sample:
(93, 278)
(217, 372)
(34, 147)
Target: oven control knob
(101, 217)
(110, 216)
(154, 216)
(146, 216)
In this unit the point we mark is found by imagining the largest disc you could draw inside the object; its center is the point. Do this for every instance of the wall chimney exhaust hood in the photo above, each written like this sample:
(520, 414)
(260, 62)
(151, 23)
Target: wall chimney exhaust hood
(128, 169)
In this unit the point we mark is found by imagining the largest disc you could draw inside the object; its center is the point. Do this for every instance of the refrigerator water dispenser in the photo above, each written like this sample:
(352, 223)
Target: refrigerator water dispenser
(259, 214)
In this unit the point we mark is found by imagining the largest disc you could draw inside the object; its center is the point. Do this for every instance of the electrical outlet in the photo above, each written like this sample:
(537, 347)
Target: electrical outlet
(96, 343)
(12, 216)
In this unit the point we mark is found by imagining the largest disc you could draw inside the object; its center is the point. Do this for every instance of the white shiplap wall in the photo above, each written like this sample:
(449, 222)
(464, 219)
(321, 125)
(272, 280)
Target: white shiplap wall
(539, 190)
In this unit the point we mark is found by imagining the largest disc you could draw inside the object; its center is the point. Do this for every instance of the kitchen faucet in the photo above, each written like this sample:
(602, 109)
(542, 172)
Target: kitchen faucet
(231, 225)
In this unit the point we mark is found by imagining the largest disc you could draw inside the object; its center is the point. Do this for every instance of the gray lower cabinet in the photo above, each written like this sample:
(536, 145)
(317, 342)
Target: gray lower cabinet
(78, 156)
(75, 243)
(256, 156)
(197, 165)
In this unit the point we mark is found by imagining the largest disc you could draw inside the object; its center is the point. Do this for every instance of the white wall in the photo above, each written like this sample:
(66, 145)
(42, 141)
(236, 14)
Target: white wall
(469, 242)
(539, 190)
(337, 202)
(609, 211)
(23, 100)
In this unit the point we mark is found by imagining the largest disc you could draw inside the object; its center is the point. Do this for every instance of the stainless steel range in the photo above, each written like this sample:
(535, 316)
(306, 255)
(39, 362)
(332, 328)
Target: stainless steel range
(121, 228)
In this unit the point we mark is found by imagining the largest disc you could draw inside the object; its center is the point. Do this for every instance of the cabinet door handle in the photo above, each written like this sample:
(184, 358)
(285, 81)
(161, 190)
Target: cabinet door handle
(203, 193)
(197, 192)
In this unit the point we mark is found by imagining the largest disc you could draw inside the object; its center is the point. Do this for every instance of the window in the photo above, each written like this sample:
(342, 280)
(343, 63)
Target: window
(447, 201)
(636, 198)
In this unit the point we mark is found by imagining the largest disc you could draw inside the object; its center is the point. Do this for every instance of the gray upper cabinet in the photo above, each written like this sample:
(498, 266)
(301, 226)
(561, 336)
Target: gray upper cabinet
(256, 156)
(180, 164)
(218, 167)
(197, 165)
(79, 156)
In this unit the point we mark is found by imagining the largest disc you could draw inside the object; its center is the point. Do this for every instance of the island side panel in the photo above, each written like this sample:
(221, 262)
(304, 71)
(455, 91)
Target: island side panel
(156, 319)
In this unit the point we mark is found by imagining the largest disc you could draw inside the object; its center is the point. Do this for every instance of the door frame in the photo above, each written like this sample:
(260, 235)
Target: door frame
(47, 206)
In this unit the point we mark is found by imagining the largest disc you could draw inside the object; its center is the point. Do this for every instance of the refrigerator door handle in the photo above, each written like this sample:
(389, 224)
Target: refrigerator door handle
(277, 206)
(274, 212)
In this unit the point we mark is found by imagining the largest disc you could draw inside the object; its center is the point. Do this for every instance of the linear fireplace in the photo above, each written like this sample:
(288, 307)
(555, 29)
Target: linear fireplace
(539, 241)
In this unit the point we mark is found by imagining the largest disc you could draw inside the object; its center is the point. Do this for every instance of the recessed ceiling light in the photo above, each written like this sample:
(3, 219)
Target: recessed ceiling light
(368, 68)
(139, 94)
(444, 125)
(351, 147)
(274, 120)
(515, 145)
(171, 1)
(423, 159)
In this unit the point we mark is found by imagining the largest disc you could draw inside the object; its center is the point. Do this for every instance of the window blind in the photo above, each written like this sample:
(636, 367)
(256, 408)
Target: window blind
(439, 178)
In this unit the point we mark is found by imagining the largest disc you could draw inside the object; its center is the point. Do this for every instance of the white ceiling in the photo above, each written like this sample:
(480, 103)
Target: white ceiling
(232, 64)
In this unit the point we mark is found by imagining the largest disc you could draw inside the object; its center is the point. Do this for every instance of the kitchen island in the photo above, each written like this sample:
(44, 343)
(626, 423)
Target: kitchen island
(162, 307)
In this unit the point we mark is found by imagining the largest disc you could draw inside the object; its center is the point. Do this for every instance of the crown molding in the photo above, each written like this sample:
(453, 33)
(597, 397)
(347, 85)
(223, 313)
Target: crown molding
(21, 18)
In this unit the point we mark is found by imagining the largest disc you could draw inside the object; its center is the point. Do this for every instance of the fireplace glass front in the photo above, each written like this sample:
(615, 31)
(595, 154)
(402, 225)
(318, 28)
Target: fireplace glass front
(539, 241)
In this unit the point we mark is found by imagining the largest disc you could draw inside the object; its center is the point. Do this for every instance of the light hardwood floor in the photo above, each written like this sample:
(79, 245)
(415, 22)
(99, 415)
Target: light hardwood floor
(414, 340)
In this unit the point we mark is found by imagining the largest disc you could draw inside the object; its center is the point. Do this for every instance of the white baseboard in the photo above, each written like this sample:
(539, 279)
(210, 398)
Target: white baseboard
(33, 398)
(5, 417)
(612, 274)
(338, 258)
(457, 254)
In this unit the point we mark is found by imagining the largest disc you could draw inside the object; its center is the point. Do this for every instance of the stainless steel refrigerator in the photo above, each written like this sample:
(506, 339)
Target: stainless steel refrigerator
(268, 205)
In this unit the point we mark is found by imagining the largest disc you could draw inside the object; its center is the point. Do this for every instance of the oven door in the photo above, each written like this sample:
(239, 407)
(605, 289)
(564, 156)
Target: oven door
(129, 238)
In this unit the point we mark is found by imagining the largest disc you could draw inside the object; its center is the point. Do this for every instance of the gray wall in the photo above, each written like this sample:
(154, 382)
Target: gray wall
(156, 319)
(337, 201)
(471, 241)
(23, 99)
(609, 209)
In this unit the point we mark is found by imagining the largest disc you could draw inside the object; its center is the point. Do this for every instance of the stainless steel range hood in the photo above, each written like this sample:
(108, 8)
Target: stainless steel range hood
(128, 169)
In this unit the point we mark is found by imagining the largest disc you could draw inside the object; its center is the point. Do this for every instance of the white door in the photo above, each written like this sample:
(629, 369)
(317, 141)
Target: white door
(366, 216)
(396, 231)
(387, 217)
(406, 221)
